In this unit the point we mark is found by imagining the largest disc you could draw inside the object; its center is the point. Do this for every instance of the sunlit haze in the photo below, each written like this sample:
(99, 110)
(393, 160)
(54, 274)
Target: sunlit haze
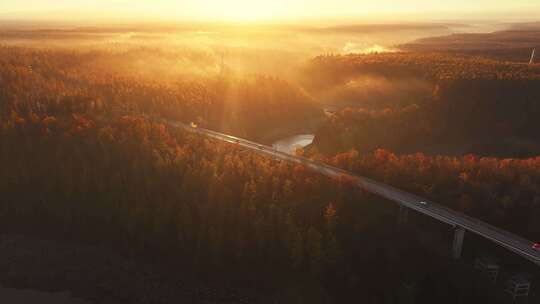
(266, 10)
(269, 151)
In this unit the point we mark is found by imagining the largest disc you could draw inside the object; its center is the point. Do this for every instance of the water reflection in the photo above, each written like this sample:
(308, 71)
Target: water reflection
(290, 144)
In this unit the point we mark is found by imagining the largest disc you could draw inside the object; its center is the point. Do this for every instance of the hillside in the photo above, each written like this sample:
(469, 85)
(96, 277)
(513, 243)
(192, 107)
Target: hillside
(88, 178)
(465, 105)
(502, 192)
(515, 44)
(178, 85)
(125, 209)
(468, 139)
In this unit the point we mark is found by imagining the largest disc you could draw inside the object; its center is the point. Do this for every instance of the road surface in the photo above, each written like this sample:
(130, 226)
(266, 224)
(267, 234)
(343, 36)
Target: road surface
(504, 238)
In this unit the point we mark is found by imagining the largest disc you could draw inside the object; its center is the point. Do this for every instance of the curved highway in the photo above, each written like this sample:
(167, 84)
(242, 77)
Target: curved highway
(504, 238)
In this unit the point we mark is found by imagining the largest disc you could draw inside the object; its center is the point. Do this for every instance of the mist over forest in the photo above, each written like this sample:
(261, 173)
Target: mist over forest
(101, 195)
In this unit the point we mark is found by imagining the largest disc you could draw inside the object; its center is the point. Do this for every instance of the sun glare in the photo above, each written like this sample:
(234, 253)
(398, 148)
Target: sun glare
(258, 10)
(238, 10)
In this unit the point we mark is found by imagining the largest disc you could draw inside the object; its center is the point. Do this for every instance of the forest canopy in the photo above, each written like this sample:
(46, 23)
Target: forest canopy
(466, 104)
(83, 159)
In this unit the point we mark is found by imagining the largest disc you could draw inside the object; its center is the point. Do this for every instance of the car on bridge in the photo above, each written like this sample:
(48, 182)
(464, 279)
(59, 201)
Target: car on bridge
(423, 203)
(536, 246)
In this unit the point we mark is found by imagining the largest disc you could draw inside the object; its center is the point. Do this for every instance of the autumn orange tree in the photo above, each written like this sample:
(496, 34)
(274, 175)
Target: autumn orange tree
(503, 192)
(81, 162)
(103, 83)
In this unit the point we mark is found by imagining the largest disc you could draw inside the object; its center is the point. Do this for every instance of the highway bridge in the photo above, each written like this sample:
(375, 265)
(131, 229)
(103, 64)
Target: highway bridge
(406, 201)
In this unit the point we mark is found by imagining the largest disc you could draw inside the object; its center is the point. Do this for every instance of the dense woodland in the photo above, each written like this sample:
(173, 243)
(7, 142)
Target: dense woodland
(503, 192)
(203, 207)
(514, 44)
(474, 105)
(81, 161)
(431, 66)
(187, 86)
(471, 143)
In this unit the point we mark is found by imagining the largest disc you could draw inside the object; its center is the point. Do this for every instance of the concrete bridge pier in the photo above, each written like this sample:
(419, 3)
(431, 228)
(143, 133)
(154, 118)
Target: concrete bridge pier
(457, 246)
(403, 215)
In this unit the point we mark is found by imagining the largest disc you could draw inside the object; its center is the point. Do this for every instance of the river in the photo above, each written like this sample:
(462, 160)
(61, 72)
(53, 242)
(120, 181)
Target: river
(290, 144)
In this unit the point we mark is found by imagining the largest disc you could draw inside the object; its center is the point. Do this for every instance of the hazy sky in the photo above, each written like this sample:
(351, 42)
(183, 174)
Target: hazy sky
(243, 10)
